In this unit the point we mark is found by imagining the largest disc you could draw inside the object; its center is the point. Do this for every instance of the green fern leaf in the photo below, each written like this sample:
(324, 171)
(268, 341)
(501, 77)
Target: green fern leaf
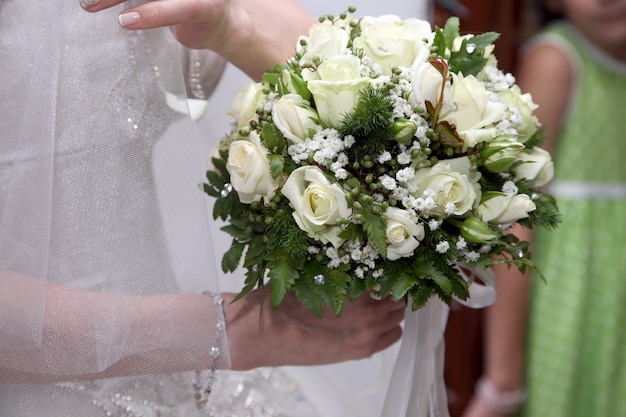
(232, 257)
(308, 296)
(282, 275)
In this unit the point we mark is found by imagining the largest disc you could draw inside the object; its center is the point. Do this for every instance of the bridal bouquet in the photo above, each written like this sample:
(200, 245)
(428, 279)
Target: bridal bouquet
(382, 157)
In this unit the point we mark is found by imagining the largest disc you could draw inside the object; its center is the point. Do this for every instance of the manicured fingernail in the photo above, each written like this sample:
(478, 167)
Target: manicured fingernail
(85, 4)
(130, 18)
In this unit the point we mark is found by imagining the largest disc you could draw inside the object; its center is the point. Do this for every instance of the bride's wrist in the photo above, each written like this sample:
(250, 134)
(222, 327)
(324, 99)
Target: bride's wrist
(504, 402)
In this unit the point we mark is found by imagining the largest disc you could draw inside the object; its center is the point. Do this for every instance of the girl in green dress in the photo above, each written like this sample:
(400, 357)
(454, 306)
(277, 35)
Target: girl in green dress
(576, 72)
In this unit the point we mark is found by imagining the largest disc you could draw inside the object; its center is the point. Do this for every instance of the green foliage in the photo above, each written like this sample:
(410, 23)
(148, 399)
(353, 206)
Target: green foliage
(536, 139)
(371, 122)
(232, 257)
(468, 59)
(420, 295)
(374, 226)
(307, 293)
(277, 164)
(272, 138)
(547, 214)
(282, 273)
(333, 291)
(283, 233)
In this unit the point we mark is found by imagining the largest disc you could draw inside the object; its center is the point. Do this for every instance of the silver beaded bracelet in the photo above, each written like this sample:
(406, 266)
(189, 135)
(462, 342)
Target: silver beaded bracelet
(204, 380)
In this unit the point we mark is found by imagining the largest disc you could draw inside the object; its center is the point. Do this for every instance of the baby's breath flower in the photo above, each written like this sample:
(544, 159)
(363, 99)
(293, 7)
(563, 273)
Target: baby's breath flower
(371, 69)
(509, 187)
(405, 175)
(341, 174)
(472, 256)
(485, 249)
(426, 204)
(461, 243)
(378, 82)
(400, 194)
(442, 247)
(404, 158)
(387, 182)
(356, 254)
(333, 255)
(434, 224)
(378, 197)
(384, 157)
(359, 272)
(334, 263)
(420, 134)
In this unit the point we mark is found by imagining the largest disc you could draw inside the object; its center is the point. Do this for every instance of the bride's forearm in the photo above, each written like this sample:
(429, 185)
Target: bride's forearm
(77, 334)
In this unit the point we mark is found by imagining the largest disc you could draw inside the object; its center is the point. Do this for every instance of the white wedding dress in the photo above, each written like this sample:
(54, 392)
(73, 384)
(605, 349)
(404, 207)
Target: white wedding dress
(99, 218)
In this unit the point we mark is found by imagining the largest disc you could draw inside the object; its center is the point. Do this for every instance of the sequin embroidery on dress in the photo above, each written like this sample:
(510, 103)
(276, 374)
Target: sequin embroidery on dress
(131, 97)
(263, 392)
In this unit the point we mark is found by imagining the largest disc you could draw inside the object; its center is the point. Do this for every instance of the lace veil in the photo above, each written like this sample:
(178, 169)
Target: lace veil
(104, 242)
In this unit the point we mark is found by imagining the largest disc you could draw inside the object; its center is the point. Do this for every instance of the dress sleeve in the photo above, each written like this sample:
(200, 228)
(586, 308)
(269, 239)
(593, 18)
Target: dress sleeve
(105, 248)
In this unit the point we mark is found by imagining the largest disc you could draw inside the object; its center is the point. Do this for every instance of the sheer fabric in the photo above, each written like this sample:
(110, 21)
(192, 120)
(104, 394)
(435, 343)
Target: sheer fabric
(104, 245)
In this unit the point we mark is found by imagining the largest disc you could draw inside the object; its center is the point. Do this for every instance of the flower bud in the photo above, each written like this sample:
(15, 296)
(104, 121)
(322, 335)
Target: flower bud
(474, 230)
(404, 131)
(499, 155)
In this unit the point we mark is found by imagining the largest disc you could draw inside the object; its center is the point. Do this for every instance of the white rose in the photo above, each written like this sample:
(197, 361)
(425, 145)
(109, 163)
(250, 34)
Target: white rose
(391, 42)
(317, 204)
(249, 170)
(453, 187)
(214, 154)
(525, 106)
(245, 103)
(325, 40)
(336, 87)
(426, 85)
(537, 167)
(403, 233)
(505, 209)
(294, 117)
(471, 110)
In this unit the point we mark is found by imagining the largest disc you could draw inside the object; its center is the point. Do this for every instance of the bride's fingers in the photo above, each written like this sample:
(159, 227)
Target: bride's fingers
(162, 13)
(97, 5)
(383, 341)
(365, 312)
(364, 333)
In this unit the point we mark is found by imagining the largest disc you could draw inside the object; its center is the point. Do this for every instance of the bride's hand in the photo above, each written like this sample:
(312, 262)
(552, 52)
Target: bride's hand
(199, 24)
(252, 34)
(291, 335)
